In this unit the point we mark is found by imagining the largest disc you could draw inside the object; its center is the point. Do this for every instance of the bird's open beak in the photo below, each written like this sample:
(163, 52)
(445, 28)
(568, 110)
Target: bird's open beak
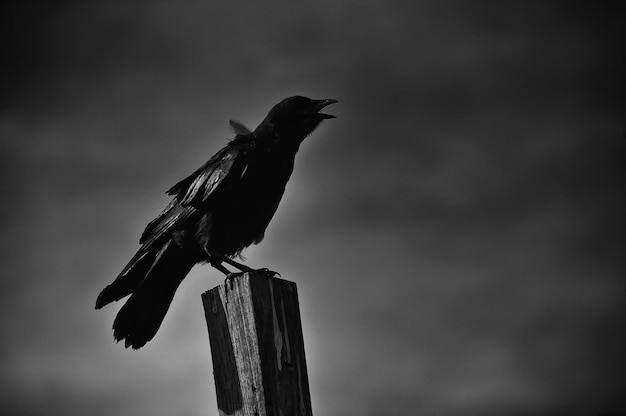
(319, 104)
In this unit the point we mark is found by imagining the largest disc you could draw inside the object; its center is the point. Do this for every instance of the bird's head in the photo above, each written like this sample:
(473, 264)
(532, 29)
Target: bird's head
(296, 117)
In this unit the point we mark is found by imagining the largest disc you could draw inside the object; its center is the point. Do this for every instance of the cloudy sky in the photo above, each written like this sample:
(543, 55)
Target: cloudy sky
(457, 234)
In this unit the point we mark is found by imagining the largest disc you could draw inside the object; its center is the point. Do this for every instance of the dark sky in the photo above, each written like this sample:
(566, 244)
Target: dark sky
(457, 234)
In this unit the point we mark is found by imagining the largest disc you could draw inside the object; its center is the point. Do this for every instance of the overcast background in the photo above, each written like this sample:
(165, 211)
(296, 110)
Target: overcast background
(457, 234)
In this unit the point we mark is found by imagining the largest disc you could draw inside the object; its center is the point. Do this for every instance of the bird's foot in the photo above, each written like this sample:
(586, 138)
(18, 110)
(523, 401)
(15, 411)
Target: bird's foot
(267, 271)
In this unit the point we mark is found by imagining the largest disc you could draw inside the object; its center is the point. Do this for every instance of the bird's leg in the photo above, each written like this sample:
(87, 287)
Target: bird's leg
(229, 261)
(217, 258)
(218, 265)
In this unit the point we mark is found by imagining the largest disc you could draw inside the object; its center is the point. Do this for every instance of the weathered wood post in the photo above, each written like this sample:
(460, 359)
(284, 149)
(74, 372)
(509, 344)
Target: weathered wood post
(257, 347)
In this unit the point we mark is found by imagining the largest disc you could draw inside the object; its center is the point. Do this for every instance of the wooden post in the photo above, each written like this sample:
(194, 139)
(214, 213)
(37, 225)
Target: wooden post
(257, 347)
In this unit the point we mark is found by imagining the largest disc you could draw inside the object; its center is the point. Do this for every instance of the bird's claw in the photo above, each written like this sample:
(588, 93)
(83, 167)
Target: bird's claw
(267, 271)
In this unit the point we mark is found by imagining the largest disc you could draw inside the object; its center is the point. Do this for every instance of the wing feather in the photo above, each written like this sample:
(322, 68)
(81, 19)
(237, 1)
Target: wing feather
(237, 127)
(222, 170)
(170, 219)
(225, 166)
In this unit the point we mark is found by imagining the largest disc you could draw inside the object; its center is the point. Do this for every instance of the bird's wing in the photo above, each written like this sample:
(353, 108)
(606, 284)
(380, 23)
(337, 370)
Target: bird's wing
(172, 217)
(218, 174)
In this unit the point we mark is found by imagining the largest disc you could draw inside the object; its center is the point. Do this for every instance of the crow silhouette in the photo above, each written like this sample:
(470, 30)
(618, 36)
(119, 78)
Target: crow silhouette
(217, 211)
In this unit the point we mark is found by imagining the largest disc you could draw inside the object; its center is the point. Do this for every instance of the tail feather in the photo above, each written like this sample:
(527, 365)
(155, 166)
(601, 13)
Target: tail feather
(153, 281)
(128, 280)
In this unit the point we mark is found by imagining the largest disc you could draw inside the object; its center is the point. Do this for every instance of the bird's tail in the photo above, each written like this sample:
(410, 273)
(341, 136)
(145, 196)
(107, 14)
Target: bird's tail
(151, 278)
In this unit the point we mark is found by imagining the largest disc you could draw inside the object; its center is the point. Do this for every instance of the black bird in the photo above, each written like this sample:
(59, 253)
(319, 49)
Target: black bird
(216, 212)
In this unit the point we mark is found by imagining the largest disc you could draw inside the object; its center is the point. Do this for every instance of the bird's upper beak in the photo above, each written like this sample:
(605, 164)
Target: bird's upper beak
(319, 104)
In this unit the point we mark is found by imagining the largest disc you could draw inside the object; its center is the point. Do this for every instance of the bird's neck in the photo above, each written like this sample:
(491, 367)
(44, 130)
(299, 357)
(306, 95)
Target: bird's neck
(284, 140)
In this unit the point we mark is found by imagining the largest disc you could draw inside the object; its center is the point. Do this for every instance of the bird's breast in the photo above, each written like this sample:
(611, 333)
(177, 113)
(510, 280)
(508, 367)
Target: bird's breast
(242, 214)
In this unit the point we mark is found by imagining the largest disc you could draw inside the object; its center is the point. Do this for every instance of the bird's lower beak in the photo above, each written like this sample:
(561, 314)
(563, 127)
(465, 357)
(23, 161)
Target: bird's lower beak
(319, 104)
